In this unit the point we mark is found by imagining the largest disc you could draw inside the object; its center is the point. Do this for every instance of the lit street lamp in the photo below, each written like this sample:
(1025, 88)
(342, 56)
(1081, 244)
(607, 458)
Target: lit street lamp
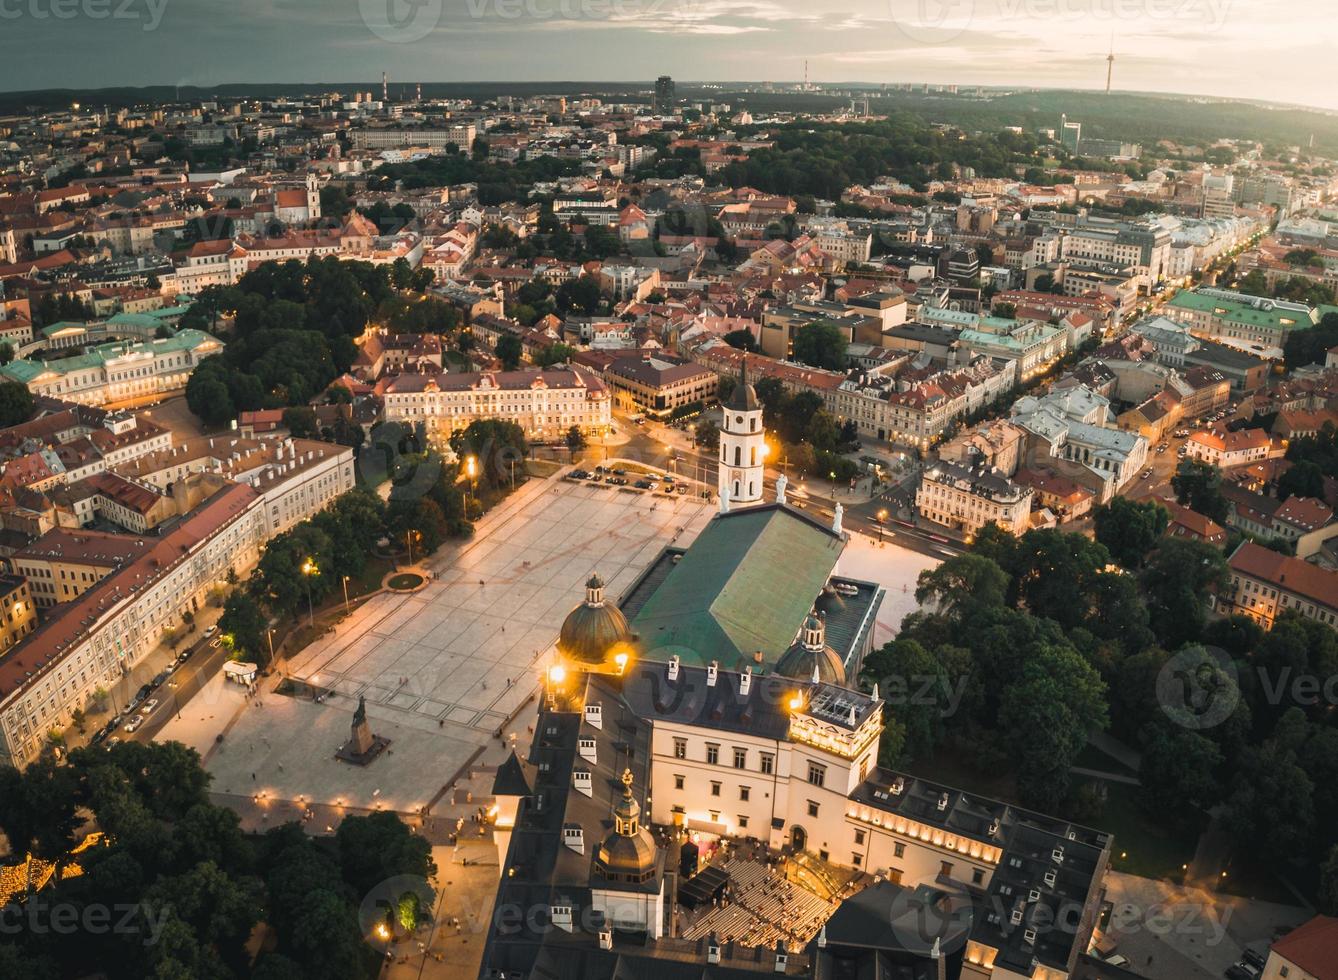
(345, 581)
(472, 470)
(309, 569)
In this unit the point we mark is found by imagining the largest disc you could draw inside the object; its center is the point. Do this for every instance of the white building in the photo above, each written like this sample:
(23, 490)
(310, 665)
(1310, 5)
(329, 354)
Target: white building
(545, 403)
(967, 499)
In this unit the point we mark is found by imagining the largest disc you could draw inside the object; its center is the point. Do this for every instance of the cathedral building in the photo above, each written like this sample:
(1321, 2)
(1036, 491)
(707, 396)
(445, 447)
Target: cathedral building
(718, 700)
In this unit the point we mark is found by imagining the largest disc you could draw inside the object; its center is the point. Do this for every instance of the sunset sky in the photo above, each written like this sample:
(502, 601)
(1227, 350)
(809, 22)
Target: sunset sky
(1266, 49)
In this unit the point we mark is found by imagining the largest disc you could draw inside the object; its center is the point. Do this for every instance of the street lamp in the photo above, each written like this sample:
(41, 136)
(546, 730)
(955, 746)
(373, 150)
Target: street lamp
(344, 579)
(309, 569)
(472, 470)
(882, 516)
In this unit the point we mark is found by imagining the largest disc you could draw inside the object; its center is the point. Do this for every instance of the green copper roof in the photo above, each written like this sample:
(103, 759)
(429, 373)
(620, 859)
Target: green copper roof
(1241, 311)
(745, 585)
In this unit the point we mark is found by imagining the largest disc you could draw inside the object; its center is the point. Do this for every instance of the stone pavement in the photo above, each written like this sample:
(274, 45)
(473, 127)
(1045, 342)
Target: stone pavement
(444, 669)
(1169, 931)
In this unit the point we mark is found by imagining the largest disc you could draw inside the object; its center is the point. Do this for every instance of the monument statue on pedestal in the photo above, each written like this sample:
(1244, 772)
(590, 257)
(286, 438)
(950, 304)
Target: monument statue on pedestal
(362, 746)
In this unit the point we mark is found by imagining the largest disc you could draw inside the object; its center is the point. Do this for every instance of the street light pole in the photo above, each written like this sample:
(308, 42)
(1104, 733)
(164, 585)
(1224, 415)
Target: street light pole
(345, 581)
(309, 569)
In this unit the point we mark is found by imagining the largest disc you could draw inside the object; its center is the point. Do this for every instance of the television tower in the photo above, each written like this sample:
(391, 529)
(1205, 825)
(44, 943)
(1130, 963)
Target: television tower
(1110, 63)
(385, 87)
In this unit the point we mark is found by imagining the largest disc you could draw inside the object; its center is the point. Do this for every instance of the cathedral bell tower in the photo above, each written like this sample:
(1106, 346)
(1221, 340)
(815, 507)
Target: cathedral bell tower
(743, 447)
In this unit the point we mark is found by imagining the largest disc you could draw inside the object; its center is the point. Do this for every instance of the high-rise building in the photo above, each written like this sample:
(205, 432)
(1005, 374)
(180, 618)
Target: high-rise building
(664, 94)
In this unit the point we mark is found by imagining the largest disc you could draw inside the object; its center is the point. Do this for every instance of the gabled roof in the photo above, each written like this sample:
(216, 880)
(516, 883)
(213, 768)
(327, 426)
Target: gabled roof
(744, 586)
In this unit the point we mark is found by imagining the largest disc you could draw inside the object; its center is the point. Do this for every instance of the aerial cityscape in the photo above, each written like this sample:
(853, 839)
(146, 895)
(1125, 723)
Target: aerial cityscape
(855, 503)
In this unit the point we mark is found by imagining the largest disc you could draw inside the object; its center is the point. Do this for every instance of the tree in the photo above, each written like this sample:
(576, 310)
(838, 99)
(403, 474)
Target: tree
(1178, 775)
(6, 352)
(1176, 582)
(913, 681)
(300, 422)
(16, 403)
(509, 351)
(961, 584)
(1055, 572)
(575, 439)
(498, 446)
(1130, 529)
(421, 519)
(1271, 808)
(707, 434)
(1328, 883)
(821, 344)
(1007, 311)
(379, 846)
(1302, 479)
(1198, 486)
(554, 354)
(245, 624)
(741, 340)
(1049, 713)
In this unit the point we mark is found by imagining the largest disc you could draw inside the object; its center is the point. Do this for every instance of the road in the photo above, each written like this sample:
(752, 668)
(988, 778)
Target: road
(207, 655)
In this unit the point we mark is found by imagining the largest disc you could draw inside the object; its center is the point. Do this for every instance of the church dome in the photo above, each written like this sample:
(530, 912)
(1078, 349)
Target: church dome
(810, 654)
(594, 628)
(829, 601)
(628, 853)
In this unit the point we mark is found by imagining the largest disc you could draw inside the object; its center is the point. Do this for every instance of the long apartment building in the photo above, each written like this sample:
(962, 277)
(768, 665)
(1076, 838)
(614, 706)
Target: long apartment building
(1264, 584)
(117, 371)
(1260, 321)
(99, 636)
(545, 403)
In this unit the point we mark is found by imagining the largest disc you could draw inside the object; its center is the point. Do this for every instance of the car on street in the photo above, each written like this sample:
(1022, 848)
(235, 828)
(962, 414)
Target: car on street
(133, 724)
(210, 631)
(114, 740)
(149, 705)
(1241, 971)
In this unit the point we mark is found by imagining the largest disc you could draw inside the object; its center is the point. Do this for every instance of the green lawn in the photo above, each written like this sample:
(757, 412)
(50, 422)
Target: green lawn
(1141, 846)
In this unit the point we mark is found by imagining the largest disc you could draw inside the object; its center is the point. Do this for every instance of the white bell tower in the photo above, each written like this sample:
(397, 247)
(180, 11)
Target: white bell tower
(742, 447)
(313, 185)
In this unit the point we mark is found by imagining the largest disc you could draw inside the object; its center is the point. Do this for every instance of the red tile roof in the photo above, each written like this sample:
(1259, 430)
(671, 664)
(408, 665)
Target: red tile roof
(1313, 947)
(1292, 574)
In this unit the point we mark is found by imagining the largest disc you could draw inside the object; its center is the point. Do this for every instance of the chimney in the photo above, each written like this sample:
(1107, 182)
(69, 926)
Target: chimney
(746, 680)
(712, 671)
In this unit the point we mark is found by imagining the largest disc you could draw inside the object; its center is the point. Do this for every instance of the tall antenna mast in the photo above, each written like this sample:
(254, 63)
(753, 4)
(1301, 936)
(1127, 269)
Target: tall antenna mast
(1110, 62)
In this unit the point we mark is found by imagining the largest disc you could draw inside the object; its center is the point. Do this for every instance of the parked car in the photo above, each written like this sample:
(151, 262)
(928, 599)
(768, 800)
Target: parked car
(1255, 955)
(132, 726)
(143, 692)
(1241, 971)
(149, 705)
(158, 679)
(114, 740)
(211, 631)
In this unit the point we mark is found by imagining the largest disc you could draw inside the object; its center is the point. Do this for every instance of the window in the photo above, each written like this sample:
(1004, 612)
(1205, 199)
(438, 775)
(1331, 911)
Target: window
(899, 850)
(740, 758)
(977, 876)
(712, 754)
(817, 774)
(744, 793)
(743, 821)
(945, 869)
(859, 837)
(680, 748)
(768, 763)
(812, 808)
(715, 789)
(856, 859)
(678, 782)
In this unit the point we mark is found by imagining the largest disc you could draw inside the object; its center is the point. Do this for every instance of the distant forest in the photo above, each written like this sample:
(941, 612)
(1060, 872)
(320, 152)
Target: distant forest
(1142, 118)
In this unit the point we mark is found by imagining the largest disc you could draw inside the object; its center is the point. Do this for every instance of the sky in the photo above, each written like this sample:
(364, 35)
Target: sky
(1279, 50)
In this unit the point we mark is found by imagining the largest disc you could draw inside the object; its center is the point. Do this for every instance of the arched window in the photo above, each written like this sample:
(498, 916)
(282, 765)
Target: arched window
(738, 456)
(752, 424)
(736, 489)
(752, 456)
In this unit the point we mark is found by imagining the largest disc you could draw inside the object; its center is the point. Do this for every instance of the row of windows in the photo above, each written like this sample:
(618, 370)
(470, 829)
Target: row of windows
(817, 773)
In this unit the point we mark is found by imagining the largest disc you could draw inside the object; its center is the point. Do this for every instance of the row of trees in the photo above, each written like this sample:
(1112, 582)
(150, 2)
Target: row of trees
(178, 885)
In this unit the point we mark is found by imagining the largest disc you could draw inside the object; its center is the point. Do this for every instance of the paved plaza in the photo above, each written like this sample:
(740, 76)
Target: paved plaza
(443, 669)
(893, 567)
